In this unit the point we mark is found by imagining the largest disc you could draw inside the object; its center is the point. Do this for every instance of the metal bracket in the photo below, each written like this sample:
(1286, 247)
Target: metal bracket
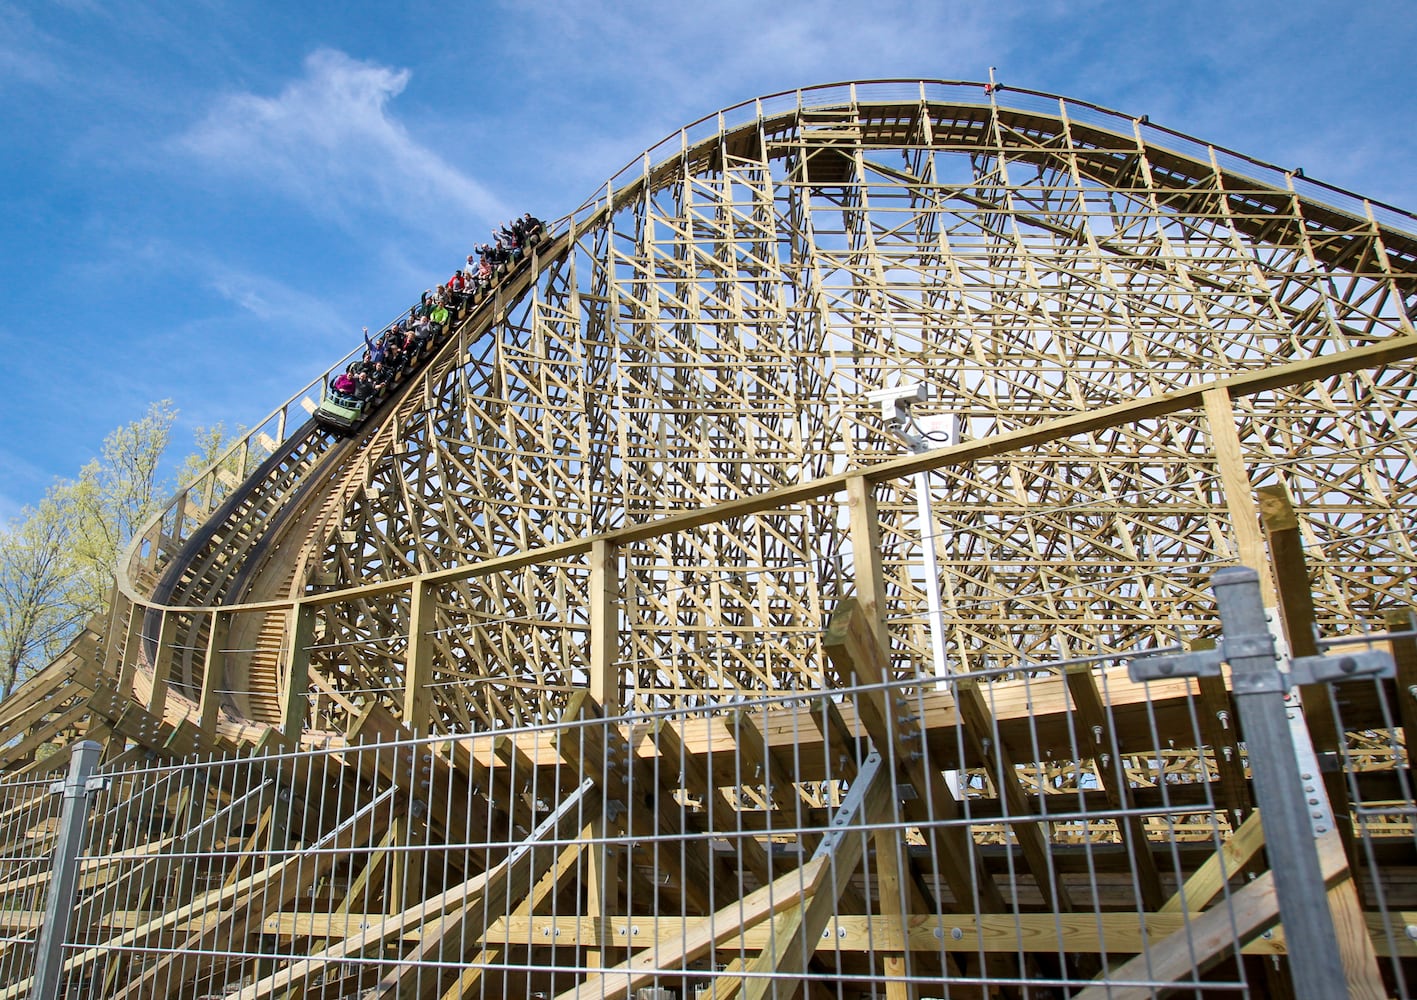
(1202, 663)
(1330, 667)
(850, 808)
(96, 783)
(1324, 669)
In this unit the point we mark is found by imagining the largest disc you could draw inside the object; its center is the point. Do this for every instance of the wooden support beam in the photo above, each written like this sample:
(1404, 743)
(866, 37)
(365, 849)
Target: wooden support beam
(450, 937)
(1210, 936)
(418, 672)
(601, 753)
(796, 931)
(1404, 654)
(295, 697)
(852, 647)
(469, 980)
(700, 936)
(1296, 605)
(1235, 479)
(982, 733)
(1206, 882)
(1220, 728)
(1107, 745)
(724, 820)
(604, 858)
(213, 671)
(162, 663)
(234, 912)
(443, 920)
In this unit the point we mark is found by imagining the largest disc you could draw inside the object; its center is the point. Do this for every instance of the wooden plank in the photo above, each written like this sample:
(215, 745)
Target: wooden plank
(1239, 495)
(1203, 941)
(1404, 654)
(1092, 711)
(418, 673)
(797, 930)
(451, 937)
(601, 753)
(604, 859)
(439, 917)
(724, 820)
(1031, 833)
(469, 980)
(1206, 881)
(699, 936)
(1209, 936)
(1296, 605)
(852, 647)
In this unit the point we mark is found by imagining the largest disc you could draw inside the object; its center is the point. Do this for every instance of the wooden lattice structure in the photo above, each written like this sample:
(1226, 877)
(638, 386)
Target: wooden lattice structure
(638, 482)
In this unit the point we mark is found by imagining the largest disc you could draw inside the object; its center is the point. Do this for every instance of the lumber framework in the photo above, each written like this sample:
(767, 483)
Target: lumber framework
(609, 520)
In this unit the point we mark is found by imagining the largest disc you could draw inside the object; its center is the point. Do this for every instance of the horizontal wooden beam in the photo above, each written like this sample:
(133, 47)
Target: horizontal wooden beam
(1044, 933)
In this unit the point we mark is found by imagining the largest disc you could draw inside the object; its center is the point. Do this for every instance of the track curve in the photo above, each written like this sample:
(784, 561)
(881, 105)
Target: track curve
(706, 331)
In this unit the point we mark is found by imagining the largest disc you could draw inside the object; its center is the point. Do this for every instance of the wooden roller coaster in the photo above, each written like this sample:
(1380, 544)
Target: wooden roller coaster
(630, 647)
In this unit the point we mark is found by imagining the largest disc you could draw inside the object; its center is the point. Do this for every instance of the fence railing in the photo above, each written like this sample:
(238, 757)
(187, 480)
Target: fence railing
(1069, 824)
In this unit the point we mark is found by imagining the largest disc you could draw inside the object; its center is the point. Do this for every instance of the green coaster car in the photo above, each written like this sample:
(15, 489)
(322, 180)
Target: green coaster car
(339, 412)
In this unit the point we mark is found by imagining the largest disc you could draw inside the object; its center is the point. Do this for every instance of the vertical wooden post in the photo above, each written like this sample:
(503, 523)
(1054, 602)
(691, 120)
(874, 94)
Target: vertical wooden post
(1404, 652)
(418, 670)
(603, 881)
(295, 699)
(214, 670)
(896, 890)
(162, 662)
(1296, 607)
(1238, 489)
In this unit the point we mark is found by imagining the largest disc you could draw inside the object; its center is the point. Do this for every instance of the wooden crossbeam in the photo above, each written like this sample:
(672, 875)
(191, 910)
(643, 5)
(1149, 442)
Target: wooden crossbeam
(212, 912)
(981, 732)
(852, 647)
(1098, 723)
(724, 819)
(442, 919)
(701, 936)
(796, 931)
(448, 938)
(599, 751)
(469, 980)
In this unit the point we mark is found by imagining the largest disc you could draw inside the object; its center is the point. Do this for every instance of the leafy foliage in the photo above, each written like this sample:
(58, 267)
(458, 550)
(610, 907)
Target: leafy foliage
(57, 558)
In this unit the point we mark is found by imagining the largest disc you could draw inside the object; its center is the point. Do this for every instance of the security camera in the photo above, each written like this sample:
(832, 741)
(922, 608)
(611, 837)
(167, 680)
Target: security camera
(895, 401)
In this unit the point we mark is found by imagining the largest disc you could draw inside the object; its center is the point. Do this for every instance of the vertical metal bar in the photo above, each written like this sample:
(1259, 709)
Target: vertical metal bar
(1314, 961)
(49, 950)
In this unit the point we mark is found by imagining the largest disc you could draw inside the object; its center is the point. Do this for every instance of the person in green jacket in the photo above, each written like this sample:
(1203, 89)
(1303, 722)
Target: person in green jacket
(439, 318)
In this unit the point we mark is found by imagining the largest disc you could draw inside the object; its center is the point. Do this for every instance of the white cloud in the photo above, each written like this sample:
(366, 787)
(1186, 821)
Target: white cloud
(329, 141)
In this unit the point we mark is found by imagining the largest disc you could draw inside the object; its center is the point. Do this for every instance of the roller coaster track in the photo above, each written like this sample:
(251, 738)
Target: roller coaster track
(263, 543)
(588, 548)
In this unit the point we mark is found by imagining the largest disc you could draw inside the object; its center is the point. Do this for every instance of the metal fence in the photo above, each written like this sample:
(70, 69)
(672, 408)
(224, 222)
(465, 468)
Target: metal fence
(1079, 827)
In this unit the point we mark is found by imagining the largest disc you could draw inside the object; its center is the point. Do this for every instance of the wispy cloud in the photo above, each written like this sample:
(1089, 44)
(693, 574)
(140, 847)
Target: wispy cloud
(25, 51)
(329, 140)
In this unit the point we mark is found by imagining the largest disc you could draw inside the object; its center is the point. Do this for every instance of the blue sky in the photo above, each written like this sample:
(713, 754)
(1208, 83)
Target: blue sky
(205, 200)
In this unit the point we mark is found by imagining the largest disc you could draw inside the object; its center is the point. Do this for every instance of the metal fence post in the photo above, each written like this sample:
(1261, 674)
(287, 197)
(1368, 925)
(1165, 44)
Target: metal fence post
(1259, 686)
(73, 820)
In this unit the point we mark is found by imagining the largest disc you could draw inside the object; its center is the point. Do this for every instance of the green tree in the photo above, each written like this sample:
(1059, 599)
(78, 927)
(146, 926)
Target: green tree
(211, 443)
(57, 560)
(112, 497)
(37, 616)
